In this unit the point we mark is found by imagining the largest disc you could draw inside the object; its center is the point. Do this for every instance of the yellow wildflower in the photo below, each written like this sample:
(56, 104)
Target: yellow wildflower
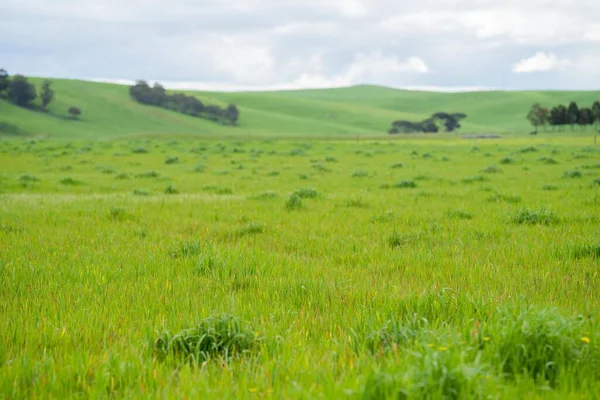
(585, 339)
(486, 339)
(442, 348)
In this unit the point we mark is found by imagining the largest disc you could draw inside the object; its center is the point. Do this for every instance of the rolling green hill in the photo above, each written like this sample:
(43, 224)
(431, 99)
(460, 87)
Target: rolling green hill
(362, 110)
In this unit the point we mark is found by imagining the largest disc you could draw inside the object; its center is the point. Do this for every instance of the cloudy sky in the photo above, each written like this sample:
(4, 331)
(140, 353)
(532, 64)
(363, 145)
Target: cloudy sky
(248, 44)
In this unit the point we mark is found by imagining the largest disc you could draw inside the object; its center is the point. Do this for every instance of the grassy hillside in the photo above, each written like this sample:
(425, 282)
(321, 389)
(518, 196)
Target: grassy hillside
(360, 110)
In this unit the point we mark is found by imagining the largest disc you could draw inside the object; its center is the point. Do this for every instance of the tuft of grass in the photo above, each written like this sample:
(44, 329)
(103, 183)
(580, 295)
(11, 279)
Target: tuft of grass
(141, 192)
(507, 160)
(397, 166)
(474, 179)
(28, 178)
(548, 161)
(268, 195)
(360, 174)
(356, 203)
(406, 185)
(534, 216)
(199, 168)
(492, 169)
(572, 174)
(502, 198)
(171, 190)
(550, 187)
(70, 181)
(539, 344)
(117, 214)
(294, 202)
(122, 176)
(530, 149)
(252, 228)
(387, 216)
(306, 193)
(222, 337)
(139, 150)
(172, 160)
(459, 214)
(585, 251)
(149, 174)
(186, 249)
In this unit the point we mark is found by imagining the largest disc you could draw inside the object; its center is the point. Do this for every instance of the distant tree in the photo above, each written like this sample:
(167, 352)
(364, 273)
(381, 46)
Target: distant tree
(596, 114)
(20, 91)
(559, 116)
(233, 114)
(572, 114)
(4, 80)
(46, 94)
(586, 117)
(538, 116)
(74, 112)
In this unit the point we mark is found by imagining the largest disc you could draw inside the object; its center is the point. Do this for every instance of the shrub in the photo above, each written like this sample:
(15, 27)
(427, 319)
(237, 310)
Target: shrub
(199, 168)
(507, 160)
(397, 166)
(530, 149)
(539, 216)
(223, 337)
(139, 150)
(172, 160)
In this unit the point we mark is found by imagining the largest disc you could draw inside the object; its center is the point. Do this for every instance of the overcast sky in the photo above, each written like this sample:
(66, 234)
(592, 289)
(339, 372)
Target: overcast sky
(245, 44)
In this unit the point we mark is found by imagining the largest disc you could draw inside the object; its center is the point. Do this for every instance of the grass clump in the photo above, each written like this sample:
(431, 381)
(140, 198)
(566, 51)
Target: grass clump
(492, 169)
(387, 216)
(171, 190)
(586, 251)
(540, 344)
(503, 198)
(548, 161)
(122, 176)
(306, 193)
(141, 192)
(294, 202)
(360, 174)
(149, 174)
(222, 337)
(550, 188)
(139, 150)
(28, 178)
(572, 174)
(474, 179)
(70, 181)
(507, 160)
(529, 149)
(187, 249)
(268, 195)
(534, 216)
(172, 160)
(397, 166)
(252, 228)
(459, 214)
(405, 185)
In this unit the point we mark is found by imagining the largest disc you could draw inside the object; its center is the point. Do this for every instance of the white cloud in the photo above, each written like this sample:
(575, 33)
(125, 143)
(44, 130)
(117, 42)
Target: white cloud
(242, 62)
(541, 62)
(376, 65)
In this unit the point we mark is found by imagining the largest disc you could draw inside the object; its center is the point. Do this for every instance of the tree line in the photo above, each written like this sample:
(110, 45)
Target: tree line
(440, 121)
(18, 90)
(560, 116)
(156, 95)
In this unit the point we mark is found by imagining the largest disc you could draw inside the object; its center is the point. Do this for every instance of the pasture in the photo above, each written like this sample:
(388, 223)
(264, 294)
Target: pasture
(416, 268)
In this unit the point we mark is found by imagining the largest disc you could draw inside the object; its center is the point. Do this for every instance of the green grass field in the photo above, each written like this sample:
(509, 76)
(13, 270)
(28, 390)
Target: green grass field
(365, 111)
(421, 268)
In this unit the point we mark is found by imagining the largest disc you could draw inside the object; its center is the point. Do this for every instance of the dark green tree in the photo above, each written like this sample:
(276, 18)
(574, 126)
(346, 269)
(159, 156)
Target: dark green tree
(586, 117)
(573, 114)
(4, 80)
(46, 94)
(233, 114)
(20, 91)
(596, 113)
(538, 116)
(74, 112)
